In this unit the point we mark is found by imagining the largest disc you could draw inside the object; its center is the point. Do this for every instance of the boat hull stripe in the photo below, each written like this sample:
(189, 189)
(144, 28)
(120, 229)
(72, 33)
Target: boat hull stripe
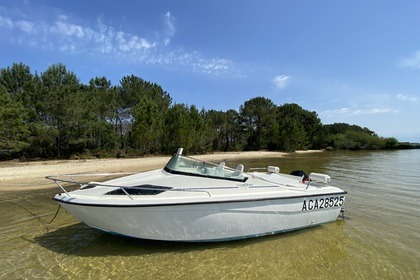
(195, 203)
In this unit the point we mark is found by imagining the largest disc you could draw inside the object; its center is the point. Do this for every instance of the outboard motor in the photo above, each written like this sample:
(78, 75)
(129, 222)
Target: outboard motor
(301, 174)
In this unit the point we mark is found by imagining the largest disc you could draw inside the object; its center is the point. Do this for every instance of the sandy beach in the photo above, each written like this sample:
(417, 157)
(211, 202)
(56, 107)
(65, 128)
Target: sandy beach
(16, 176)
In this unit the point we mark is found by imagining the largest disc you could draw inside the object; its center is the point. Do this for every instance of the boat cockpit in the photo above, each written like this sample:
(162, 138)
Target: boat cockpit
(183, 165)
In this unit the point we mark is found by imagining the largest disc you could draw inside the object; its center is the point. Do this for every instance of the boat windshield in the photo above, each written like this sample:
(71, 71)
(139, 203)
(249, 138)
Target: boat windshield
(192, 167)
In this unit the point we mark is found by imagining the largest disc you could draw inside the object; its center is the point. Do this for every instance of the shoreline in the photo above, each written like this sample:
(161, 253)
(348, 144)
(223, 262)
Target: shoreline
(19, 176)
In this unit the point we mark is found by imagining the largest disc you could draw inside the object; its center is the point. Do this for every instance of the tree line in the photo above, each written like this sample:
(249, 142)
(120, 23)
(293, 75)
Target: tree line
(53, 115)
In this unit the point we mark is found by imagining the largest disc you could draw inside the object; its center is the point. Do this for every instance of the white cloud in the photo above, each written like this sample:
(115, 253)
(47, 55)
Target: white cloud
(212, 65)
(6, 22)
(69, 37)
(195, 61)
(281, 81)
(70, 48)
(407, 98)
(358, 111)
(127, 43)
(412, 62)
(370, 111)
(25, 26)
(170, 28)
(62, 33)
(71, 30)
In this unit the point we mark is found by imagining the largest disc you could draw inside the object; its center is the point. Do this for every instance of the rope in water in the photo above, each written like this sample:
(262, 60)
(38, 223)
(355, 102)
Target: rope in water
(58, 209)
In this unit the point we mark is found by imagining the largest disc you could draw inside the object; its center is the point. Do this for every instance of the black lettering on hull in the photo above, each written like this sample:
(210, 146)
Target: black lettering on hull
(313, 204)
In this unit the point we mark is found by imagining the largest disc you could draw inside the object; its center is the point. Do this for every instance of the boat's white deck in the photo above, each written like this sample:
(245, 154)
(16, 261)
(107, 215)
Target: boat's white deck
(199, 189)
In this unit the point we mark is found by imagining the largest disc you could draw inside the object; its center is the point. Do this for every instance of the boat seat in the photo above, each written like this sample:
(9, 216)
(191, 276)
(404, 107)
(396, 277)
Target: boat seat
(238, 171)
(219, 169)
(240, 168)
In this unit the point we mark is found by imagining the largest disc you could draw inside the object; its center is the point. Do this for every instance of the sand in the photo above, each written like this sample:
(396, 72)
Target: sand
(15, 175)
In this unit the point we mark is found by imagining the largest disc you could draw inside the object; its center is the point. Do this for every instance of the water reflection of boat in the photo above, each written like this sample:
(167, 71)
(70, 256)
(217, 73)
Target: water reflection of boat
(192, 200)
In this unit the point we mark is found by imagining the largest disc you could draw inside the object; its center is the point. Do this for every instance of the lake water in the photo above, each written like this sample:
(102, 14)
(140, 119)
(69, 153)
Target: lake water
(379, 238)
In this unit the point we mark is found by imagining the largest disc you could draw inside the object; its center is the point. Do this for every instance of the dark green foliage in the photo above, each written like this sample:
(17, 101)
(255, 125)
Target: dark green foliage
(13, 130)
(224, 130)
(257, 117)
(148, 124)
(293, 134)
(352, 137)
(178, 131)
(60, 107)
(53, 115)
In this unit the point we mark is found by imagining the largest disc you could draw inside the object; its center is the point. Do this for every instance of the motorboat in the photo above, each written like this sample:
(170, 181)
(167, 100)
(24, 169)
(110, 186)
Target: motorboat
(191, 200)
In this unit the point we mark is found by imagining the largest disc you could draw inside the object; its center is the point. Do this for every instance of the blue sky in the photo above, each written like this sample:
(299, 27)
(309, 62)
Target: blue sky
(350, 61)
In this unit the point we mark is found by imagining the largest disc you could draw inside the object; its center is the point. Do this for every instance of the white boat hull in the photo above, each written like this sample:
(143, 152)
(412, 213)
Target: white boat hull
(209, 221)
(191, 200)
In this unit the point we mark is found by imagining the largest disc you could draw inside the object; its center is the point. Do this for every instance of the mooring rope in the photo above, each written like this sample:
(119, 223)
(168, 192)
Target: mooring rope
(35, 216)
(58, 209)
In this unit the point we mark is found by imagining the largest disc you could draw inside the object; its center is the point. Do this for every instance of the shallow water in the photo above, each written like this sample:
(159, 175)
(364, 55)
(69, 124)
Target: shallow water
(379, 239)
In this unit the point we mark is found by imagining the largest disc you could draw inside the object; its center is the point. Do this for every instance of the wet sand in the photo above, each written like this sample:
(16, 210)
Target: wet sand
(16, 175)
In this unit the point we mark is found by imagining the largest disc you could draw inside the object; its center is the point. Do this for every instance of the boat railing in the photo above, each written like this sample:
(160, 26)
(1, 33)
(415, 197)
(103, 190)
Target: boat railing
(60, 180)
(269, 169)
(71, 179)
(253, 169)
(314, 179)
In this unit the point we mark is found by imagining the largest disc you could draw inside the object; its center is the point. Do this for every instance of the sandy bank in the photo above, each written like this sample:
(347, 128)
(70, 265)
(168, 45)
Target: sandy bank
(16, 175)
